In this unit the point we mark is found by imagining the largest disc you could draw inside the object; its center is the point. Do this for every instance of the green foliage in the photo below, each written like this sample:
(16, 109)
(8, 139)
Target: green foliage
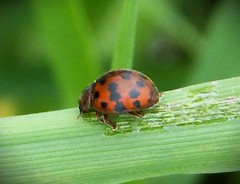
(69, 42)
(219, 55)
(51, 50)
(123, 56)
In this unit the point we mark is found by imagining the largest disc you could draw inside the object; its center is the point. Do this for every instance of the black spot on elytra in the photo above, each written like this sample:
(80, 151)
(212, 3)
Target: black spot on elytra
(153, 97)
(153, 94)
(114, 96)
(150, 101)
(96, 94)
(112, 86)
(140, 83)
(102, 81)
(143, 76)
(137, 103)
(119, 107)
(103, 105)
(126, 76)
(133, 94)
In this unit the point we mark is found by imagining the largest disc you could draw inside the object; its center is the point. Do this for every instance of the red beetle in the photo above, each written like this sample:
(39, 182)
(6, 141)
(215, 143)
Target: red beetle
(119, 91)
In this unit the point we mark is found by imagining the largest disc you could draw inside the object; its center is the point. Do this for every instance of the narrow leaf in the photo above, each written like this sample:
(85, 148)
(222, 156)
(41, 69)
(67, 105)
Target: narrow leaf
(191, 130)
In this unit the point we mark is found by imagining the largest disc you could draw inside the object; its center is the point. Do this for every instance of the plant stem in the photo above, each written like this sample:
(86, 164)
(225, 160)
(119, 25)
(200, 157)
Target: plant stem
(192, 130)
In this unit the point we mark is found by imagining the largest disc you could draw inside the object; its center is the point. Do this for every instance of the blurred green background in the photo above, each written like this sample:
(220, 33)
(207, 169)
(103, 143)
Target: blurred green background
(51, 50)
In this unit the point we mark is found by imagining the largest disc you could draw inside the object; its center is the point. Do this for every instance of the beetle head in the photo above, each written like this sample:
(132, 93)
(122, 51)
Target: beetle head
(85, 100)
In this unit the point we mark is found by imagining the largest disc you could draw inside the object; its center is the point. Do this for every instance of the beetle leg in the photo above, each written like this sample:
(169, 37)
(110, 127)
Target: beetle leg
(98, 115)
(109, 122)
(137, 114)
(106, 120)
(80, 113)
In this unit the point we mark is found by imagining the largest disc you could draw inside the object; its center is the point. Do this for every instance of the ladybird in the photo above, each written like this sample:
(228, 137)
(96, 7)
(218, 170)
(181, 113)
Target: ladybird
(119, 91)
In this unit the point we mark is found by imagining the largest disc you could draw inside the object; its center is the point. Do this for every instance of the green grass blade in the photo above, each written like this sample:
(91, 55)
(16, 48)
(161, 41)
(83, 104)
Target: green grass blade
(166, 17)
(223, 28)
(123, 54)
(67, 37)
(192, 130)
